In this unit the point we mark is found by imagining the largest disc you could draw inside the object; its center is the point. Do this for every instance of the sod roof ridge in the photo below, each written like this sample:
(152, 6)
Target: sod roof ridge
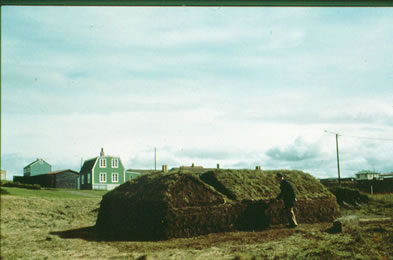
(262, 185)
(235, 184)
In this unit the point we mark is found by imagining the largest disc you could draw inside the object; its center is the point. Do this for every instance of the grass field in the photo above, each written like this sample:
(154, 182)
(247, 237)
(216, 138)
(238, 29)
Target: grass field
(55, 193)
(57, 224)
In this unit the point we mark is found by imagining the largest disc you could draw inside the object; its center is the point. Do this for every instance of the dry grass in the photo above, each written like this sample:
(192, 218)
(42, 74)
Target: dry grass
(379, 205)
(27, 224)
(58, 228)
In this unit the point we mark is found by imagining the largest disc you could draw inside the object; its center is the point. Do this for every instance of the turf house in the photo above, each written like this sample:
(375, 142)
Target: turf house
(184, 204)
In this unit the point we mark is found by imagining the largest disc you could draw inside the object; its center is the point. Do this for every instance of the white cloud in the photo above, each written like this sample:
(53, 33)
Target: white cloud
(235, 86)
(299, 151)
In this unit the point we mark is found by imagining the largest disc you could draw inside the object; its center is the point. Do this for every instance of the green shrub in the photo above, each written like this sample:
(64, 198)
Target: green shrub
(21, 185)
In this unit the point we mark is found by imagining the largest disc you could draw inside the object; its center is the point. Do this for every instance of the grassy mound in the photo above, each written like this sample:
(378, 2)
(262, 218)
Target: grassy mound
(184, 204)
(261, 185)
(349, 196)
(315, 202)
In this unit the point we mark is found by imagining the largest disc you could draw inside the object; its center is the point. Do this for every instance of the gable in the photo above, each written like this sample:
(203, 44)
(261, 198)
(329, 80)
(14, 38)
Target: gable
(88, 165)
(35, 162)
(108, 164)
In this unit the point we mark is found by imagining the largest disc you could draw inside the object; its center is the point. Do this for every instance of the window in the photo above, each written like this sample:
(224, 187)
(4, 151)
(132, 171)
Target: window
(83, 179)
(102, 163)
(115, 177)
(103, 177)
(115, 163)
(88, 178)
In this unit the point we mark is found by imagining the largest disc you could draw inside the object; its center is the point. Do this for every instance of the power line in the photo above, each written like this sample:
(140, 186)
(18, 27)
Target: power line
(362, 137)
(352, 136)
(371, 138)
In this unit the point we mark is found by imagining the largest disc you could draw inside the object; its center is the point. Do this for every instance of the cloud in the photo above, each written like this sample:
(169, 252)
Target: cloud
(234, 86)
(365, 154)
(206, 153)
(302, 107)
(299, 151)
(147, 159)
(14, 163)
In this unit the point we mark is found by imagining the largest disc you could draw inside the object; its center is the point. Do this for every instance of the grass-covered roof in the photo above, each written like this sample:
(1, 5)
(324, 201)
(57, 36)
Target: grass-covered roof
(178, 189)
(235, 184)
(257, 184)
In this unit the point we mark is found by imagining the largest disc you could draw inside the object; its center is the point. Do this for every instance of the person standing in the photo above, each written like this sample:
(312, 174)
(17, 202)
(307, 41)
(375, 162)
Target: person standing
(288, 195)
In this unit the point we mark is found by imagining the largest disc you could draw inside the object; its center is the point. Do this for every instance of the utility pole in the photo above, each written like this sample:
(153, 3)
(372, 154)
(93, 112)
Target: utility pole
(338, 157)
(338, 161)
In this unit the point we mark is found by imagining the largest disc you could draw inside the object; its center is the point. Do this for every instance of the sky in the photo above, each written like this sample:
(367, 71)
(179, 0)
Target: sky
(240, 87)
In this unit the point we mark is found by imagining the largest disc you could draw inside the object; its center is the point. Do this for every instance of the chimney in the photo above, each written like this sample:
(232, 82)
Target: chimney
(102, 152)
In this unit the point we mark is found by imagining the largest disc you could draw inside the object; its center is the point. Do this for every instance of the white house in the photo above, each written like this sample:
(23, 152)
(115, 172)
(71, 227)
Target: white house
(367, 175)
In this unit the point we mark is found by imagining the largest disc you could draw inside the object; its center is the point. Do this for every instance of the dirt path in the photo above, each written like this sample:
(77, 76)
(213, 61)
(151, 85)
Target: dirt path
(308, 241)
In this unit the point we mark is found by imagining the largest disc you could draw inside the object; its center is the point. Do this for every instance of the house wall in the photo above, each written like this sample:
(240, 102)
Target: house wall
(132, 175)
(109, 184)
(64, 179)
(67, 180)
(86, 171)
(84, 181)
(37, 168)
(367, 176)
(44, 180)
(376, 186)
(24, 179)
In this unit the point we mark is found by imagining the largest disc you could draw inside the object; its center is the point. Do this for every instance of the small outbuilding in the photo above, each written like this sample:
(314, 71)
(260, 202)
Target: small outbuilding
(67, 179)
(368, 175)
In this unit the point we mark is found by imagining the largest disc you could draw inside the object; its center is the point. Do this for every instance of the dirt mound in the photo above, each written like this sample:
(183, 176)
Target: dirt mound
(347, 196)
(162, 206)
